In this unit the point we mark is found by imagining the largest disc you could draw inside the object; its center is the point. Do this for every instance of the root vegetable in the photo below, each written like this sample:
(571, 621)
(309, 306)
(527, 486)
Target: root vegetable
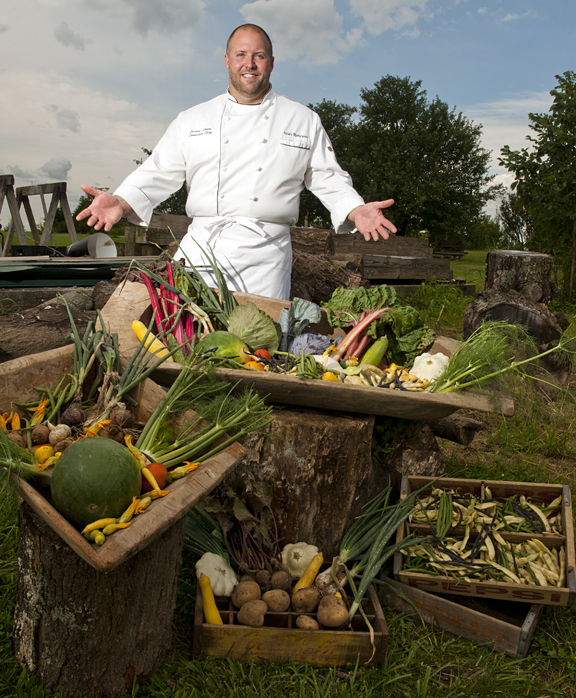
(59, 433)
(63, 445)
(245, 592)
(40, 434)
(306, 623)
(252, 613)
(112, 432)
(305, 600)
(73, 415)
(121, 417)
(281, 580)
(332, 612)
(16, 438)
(277, 600)
(263, 580)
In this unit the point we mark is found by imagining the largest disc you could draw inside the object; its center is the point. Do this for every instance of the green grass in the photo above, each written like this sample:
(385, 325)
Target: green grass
(471, 267)
(538, 445)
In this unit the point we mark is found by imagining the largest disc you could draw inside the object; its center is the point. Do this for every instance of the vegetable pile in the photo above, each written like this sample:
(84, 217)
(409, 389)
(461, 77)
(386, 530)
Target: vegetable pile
(469, 539)
(82, 440)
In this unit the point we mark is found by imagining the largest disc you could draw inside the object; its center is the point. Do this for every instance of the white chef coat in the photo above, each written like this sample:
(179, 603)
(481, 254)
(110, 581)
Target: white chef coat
(244, 167)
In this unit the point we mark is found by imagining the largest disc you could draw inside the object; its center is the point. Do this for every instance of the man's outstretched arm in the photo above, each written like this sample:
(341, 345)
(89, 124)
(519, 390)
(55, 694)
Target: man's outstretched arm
(105, 210)
(370, 221)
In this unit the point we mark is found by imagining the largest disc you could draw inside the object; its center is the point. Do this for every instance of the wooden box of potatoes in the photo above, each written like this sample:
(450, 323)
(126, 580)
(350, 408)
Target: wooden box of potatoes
(280, 639)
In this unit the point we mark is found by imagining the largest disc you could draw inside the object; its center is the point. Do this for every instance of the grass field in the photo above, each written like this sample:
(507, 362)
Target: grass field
(538, 444)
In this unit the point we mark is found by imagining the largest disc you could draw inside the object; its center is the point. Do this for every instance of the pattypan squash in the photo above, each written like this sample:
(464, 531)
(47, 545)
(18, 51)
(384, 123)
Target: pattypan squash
(429, 366)
(222, 577)
(296, 556)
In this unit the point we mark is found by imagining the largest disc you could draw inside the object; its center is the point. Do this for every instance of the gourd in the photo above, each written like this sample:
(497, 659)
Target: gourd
(94, 478)
(297, 556)
(429, 366)
(153, 344)
(222, 343)
(211, 612)
(307, 579)
(376, 352)
(221, 576)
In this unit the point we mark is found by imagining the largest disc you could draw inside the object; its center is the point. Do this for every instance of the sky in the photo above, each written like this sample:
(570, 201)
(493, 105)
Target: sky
(86, 84)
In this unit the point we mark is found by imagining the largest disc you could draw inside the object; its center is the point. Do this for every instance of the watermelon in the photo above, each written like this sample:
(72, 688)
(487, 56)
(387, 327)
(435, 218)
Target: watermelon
(224, 344)
(95, 478)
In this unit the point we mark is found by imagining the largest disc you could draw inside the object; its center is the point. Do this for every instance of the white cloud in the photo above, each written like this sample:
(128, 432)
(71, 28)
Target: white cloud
(67, 37)
(56, 168)
(482, 10)
(3, 28)
(396, 15)
(17, 171)
(510, 17)
(506, 122)
(310, 29)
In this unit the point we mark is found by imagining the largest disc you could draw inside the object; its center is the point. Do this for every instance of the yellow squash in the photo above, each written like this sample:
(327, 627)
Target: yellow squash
(153, 344)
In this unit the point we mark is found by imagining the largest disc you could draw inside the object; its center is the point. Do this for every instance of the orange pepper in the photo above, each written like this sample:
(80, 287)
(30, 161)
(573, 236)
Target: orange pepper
(254, 365)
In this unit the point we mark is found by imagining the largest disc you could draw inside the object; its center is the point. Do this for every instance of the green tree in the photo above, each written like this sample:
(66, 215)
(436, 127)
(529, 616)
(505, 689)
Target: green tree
(515, 221)
(337, 119)
(484, 234)
(545, 176)
(421, 153)
(175, 203)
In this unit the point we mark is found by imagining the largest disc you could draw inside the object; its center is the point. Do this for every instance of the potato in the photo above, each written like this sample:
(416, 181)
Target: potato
(305, 600)
(263, 579)
(332, 612)
(277, 600)
(281, 580)
(306, 623)
(252, 613)
(244, 592)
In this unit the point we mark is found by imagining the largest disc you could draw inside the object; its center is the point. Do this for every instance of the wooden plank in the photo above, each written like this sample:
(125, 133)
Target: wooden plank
(503, 635)
(31, 220)
(396, 245)
(177, 224)
(49, 220)
(382, 267)
(42, 188)
(68, 219)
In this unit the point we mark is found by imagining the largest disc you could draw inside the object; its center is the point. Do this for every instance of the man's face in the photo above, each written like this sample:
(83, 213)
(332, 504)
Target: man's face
(249, 63)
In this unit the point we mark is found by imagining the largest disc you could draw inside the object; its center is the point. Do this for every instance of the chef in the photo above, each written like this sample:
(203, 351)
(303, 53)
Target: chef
(245, 157)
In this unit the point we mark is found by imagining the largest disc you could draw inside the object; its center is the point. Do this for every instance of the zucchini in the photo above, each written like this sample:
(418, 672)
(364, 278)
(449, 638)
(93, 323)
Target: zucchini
(374, 354)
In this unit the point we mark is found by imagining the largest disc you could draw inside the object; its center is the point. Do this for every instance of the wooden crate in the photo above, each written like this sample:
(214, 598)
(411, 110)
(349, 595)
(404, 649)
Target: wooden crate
(539, 492)
(280, 640)
(17, 381)
(494, 624)
(130, 301)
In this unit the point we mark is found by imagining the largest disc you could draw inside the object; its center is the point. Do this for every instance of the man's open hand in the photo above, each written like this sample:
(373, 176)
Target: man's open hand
(369, 220)
(105, 210)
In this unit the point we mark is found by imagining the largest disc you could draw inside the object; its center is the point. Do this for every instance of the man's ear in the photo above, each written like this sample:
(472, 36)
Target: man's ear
(226, 60)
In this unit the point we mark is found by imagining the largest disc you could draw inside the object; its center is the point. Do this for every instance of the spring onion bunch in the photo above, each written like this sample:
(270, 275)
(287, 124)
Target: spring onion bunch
(203, 535)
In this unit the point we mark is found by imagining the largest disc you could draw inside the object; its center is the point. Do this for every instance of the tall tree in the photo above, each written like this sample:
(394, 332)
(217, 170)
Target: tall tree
(421, 153)
(515, 221)
(546, 175)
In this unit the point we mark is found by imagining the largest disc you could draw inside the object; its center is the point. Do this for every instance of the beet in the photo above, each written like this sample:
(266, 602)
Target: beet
(73, 415)
(121, 417)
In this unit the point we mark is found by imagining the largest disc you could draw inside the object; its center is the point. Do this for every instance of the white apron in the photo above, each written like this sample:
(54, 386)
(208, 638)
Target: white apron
(254, 257)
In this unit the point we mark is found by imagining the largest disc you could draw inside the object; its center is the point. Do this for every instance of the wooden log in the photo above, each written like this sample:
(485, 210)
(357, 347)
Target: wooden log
(321, 468)
(315, 277)
(528, 273)
(396, 245)
(457, 428)
(381, 267)
(82, 632)
(312, 240)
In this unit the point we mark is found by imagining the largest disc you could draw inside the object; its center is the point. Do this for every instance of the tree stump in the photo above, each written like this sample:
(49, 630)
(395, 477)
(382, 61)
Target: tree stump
(321, 470)
(82, 632)
(528, 273)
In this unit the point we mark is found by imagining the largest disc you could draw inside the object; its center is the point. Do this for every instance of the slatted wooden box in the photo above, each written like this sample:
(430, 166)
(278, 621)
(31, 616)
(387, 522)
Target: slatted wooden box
(280, 640)
(17, 380)
(538, 492)
(506, 627)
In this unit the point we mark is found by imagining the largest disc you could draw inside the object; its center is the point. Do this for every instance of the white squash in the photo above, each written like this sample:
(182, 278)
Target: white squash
(222, 577)
(296, 557)
(429, 366)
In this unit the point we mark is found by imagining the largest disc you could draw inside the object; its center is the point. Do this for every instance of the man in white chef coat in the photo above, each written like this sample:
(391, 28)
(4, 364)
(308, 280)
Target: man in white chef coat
(245, 157)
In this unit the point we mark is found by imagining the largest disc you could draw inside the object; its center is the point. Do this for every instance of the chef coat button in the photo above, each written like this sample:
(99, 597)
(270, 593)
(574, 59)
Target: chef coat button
(221, 196)
(225, 169)
(226, 141)
(266, 117)
(264, 140)
(258, 169)
(253, 198)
